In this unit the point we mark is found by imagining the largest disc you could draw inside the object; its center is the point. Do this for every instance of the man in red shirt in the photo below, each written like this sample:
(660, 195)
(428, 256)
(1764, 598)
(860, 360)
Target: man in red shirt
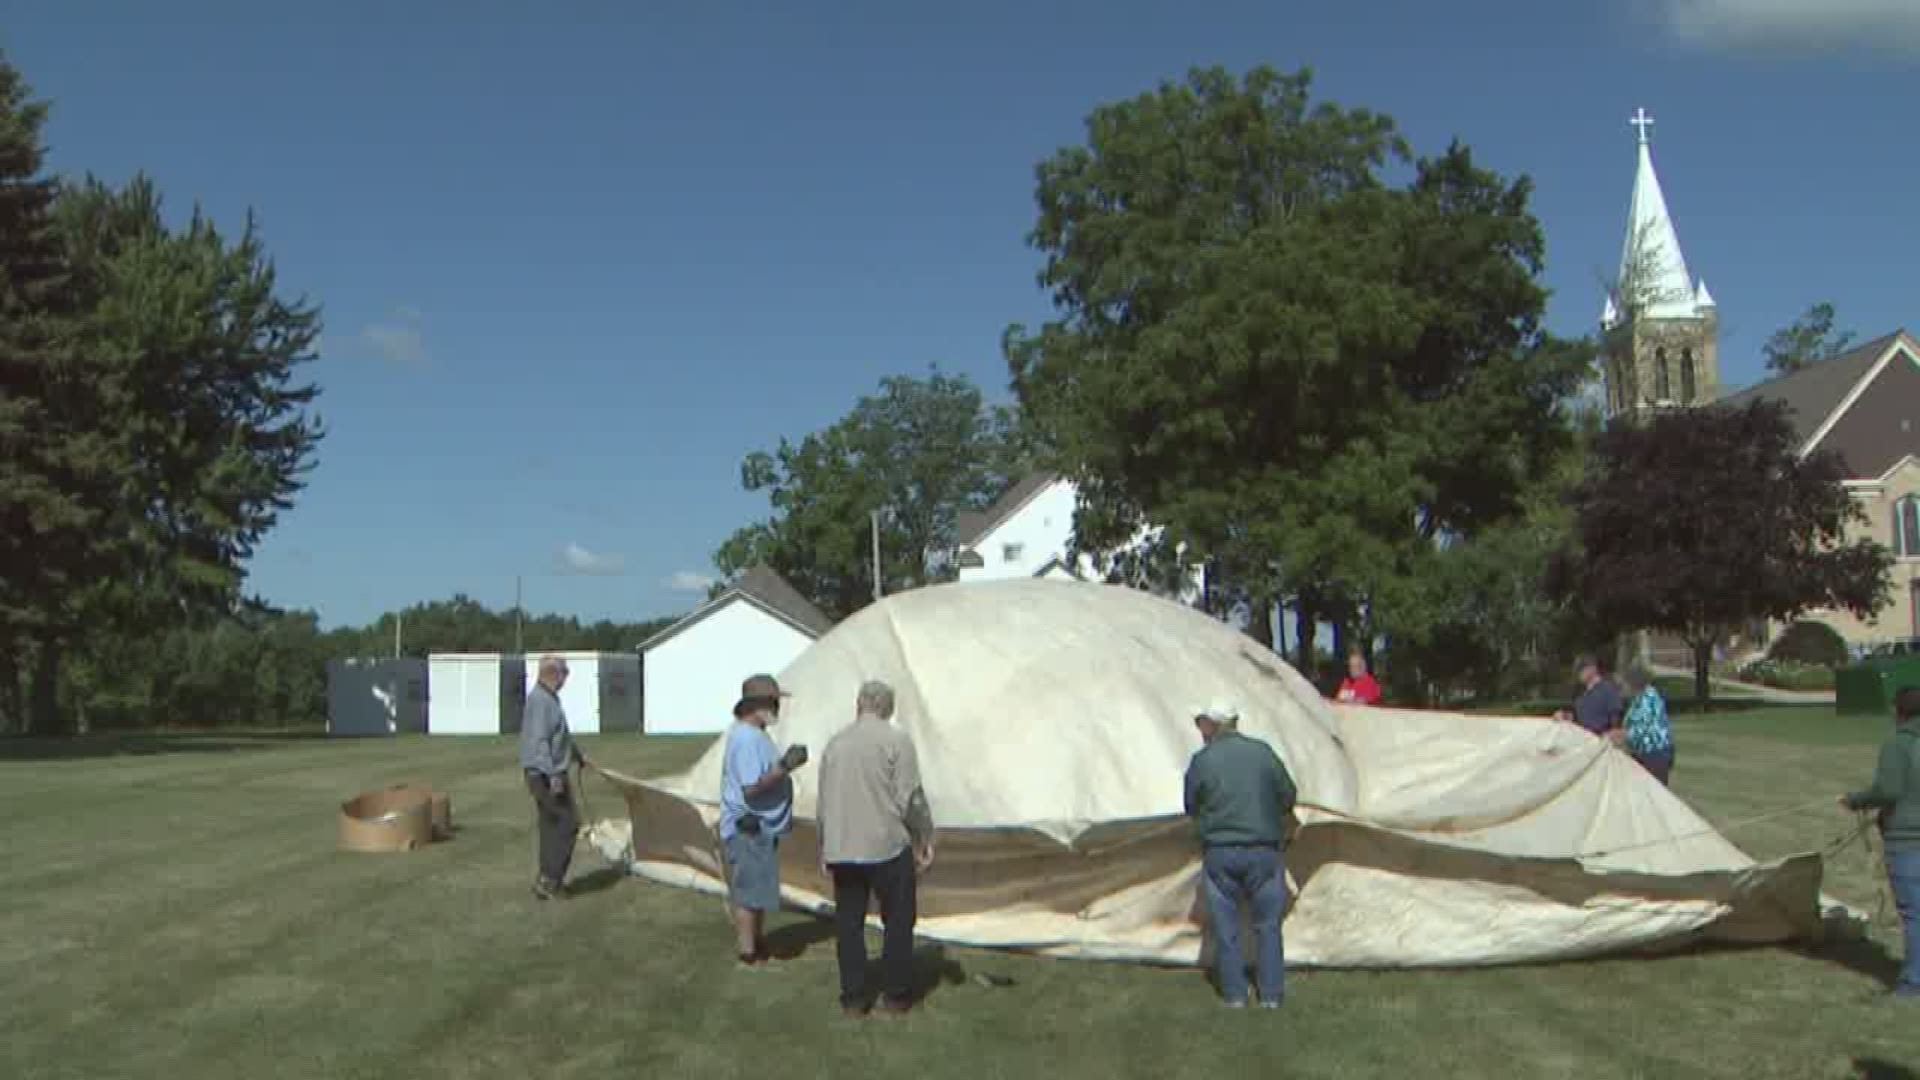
(1359, 687)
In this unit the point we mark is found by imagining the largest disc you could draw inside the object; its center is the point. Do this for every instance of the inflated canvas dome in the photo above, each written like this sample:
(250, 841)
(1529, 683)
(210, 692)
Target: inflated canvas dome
(1053, 722)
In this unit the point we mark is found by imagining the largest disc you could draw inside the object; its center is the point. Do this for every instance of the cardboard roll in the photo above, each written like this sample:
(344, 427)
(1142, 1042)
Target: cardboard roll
(399, 818)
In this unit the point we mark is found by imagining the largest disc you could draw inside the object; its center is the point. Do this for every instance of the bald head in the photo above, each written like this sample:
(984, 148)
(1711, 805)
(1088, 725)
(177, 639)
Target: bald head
(553, 672)
(876, 699)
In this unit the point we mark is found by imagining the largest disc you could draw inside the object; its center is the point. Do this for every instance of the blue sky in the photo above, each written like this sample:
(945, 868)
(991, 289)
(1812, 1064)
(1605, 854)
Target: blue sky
(574, 266)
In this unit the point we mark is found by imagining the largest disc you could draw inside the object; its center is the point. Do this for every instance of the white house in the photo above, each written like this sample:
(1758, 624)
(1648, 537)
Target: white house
(602, 691)
(1028, 532)
(692, 670)
(383, 696)
(475, 693)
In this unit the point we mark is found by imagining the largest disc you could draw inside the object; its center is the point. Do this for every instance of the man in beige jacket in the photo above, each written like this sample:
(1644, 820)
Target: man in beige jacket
(876, 833)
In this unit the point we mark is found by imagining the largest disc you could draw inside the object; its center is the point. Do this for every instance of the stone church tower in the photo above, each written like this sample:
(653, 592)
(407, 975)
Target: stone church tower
(1660, 329)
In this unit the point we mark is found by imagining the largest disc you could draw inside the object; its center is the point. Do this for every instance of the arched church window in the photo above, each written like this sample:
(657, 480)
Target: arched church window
(1906, 527)
(1662, 381)
(1689, 381)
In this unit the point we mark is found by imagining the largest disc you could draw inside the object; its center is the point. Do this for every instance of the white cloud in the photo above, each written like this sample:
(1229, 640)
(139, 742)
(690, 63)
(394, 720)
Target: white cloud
(689, 581)
(1798, 24)
(398, 340)
(575, 559)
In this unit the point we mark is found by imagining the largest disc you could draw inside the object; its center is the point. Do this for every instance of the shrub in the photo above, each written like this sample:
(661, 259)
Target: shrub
(1810, 643)
(1789, 675)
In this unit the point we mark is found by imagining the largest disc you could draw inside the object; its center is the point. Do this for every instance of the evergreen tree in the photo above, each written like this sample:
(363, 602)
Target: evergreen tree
(41, 505)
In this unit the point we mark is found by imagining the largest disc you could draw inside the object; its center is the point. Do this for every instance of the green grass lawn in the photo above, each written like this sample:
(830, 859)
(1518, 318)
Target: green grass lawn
(174, 906)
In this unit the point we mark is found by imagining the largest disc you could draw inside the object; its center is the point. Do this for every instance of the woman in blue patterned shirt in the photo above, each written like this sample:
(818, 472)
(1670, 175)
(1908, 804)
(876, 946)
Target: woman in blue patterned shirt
(1648, 736)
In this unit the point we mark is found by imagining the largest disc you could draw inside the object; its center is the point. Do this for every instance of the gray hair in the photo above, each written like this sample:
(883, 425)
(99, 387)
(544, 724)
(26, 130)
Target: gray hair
(875, 699)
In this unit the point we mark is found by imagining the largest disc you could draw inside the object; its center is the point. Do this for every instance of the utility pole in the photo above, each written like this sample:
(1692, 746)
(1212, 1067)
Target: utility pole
(399, 619)
(517, 646)
(875, 518)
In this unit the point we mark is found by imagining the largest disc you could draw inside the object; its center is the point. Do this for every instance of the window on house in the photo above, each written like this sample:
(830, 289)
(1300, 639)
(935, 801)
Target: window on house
(1906, 527)
(1011, 552)
(1689, 384)
(1662, 382)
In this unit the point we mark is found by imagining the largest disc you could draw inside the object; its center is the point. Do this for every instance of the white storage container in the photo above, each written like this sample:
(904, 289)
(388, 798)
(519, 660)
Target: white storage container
(475, 693)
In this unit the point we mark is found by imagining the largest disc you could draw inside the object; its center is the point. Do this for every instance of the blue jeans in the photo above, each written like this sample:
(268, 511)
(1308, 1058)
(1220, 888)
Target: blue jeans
(1903, 870)
(1255, 876)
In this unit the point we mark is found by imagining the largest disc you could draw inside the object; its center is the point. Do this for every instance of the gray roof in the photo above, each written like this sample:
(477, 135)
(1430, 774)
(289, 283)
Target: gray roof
(764, 589)
(776, 592)
(1813, 393)
(971, 526)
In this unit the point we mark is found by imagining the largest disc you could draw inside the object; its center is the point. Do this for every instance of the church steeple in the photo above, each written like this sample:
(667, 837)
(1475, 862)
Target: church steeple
(1660, 324)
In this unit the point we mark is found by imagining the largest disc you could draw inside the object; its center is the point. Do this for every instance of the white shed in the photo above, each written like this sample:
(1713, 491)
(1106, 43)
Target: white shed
(386, 696)
(475, 693)
(602, 691)
(693, 669)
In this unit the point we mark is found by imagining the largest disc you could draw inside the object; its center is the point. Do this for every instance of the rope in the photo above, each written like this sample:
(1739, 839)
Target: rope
(1739, 823)
(1876, 861)
(580, 797)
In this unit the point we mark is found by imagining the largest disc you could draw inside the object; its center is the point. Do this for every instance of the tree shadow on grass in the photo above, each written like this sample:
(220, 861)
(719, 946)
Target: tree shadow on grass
(149, 743)
(1867, 1068)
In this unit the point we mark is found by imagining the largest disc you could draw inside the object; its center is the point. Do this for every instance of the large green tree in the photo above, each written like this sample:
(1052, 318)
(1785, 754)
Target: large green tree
(1306, 373)
(155, 416)
(39, 498)
(1480, 619)
(918, 452)
(1697, 521)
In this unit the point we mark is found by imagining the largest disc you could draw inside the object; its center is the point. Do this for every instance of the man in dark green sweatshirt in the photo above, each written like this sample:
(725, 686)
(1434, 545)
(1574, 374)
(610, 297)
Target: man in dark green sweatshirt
(1239, 796)
(1896, 795)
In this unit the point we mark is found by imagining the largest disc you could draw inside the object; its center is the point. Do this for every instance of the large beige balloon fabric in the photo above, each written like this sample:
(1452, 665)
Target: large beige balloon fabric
(1053, 721)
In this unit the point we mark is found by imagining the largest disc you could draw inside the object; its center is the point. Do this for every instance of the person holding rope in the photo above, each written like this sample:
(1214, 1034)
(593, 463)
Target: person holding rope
(547, 752)
(1895, 795)
(756, 811)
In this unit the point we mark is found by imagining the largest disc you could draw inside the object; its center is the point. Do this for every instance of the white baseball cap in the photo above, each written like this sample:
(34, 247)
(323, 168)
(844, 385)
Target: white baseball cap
(1220, 712)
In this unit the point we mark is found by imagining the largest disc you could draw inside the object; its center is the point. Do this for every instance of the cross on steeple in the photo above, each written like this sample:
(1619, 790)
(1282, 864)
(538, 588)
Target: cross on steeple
(1641, 120)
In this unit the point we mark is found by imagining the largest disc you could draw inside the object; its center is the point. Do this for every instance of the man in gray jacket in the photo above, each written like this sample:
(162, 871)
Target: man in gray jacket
(1895, 796)
(547, 752)
(1239, 795)
(875, 834)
